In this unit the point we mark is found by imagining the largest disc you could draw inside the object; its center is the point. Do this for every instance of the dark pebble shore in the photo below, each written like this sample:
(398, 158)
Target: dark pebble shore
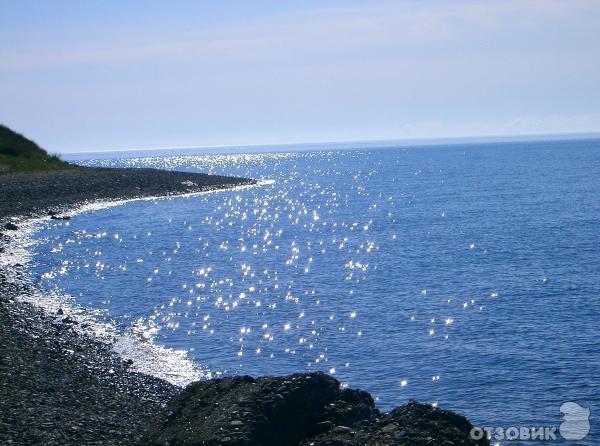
(32, 193)
(60, 386)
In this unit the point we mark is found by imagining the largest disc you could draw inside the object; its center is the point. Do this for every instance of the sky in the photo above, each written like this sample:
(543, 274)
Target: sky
(116, 74)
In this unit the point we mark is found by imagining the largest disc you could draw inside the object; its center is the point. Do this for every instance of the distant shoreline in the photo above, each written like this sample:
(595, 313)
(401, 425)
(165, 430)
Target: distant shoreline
(32, 193)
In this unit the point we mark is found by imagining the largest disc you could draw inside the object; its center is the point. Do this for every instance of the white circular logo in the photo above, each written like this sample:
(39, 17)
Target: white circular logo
(576, 421)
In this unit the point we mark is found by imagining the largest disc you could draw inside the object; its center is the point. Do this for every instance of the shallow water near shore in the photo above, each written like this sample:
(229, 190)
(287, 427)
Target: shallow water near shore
(462, 275)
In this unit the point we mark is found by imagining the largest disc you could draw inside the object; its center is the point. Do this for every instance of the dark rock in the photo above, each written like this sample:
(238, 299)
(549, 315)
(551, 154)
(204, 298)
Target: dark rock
(11, 226)
(249, 411)
(341, 429)
(411, 424)
(60, 217)
(69, 321)
(324, 426)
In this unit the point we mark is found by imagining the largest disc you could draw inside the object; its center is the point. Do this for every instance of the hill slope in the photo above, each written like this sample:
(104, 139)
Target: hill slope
(18, 153)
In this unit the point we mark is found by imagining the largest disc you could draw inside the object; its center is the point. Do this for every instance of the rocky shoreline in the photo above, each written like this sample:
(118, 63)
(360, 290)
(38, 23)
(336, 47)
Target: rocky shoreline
(32, 193)
(60, 386)
(303, 409)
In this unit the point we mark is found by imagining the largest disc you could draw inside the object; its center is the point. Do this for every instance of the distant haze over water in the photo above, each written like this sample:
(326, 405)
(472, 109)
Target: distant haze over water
(303, 147)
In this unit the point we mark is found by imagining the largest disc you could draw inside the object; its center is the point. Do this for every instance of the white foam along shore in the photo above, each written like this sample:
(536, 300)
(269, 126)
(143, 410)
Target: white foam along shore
(136, 343)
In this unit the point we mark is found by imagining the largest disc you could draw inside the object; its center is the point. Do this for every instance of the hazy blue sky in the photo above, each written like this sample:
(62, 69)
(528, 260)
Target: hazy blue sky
(115, 74)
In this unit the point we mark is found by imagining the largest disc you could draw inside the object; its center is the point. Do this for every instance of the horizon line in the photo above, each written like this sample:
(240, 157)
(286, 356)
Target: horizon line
(415, 141)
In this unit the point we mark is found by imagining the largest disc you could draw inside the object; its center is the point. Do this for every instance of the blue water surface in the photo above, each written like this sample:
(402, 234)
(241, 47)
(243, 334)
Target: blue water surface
(462, 275)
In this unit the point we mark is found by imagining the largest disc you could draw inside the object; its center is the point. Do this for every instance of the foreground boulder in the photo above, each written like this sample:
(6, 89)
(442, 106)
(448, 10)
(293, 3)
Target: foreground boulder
(302, 409)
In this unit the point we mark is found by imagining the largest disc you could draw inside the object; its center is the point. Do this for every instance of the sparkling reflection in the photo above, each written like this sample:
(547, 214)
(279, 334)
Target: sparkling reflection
(381, 267)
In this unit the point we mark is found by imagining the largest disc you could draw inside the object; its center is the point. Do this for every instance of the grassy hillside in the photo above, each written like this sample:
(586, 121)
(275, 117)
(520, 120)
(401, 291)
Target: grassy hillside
(18, 153)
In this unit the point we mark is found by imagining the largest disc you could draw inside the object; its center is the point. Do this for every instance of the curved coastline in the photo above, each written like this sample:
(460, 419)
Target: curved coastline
(61, 383)
(64, 377)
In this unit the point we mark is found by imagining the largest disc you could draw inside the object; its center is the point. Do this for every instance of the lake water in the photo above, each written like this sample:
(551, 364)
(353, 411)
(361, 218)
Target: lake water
(462, 275)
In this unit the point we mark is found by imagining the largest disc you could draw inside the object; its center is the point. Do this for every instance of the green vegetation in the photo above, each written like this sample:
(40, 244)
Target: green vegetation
(18, 153)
